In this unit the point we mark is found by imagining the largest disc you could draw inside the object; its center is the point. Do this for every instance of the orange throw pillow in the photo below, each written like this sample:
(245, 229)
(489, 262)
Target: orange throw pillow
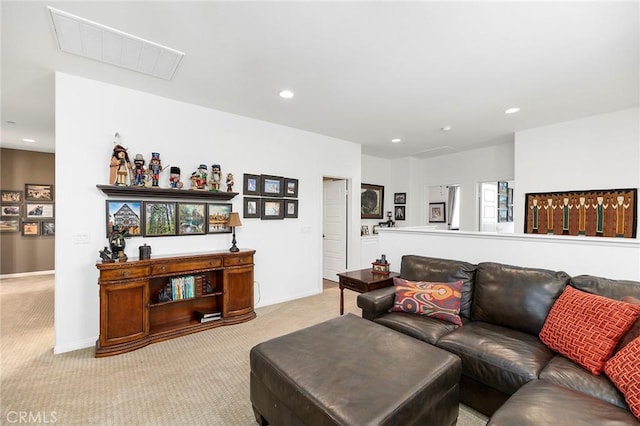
(624, 371)
(586, 327)
(432, 299)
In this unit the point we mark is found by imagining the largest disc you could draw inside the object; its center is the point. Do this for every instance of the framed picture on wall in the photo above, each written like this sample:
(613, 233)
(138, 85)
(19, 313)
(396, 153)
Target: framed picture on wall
(371, 201)
(400, 212)
(9, 225)
(126, 214)
(400, 198)
(11, 210)
(291, 187)
(38, 192)
(9, 196)
(159, 219)
(48, 228)
(291, 208)
(251, 184)
(39, 211)
(251, 208)
(217, 218)
(272, 209)
(437, 213)
(271, 186)
(30, 228)
(192, 218)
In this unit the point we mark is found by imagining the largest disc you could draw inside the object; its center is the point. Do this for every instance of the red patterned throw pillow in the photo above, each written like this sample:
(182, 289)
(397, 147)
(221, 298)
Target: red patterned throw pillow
(586, 327)
(624, 371)
(634, 331)
(432, 299)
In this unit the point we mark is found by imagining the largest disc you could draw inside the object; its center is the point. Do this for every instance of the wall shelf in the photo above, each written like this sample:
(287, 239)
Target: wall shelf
(138, 191)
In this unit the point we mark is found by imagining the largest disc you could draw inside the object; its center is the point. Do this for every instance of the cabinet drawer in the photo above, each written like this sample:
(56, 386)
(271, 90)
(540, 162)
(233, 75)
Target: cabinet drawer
(185, 267)
(238, 260)
(124, 273)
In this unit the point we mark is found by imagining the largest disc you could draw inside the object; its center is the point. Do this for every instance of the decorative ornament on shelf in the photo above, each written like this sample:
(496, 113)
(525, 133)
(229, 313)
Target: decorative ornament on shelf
(155, 167)
(120, 166)
(174, 178)
(381, 266)
(199, 178)
(216, 177)
(139, 171)
(230, 182)
(233, 221)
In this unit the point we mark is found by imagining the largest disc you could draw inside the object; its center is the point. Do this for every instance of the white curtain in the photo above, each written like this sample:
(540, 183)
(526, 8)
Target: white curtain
(451, 205)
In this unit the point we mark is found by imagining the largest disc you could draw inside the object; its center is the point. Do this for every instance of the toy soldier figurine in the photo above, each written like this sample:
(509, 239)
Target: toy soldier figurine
(216, 177)
(120, 167)
(138, 170)
(155, 167)
(229, 182)
(199, 177)
(174, 177)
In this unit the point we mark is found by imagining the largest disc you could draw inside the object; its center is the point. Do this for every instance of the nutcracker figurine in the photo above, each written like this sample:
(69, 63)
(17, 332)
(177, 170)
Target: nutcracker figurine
(155, 167)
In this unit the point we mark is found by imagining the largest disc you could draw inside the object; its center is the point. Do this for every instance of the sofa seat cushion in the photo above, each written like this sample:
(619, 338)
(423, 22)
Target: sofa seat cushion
(427, 329)
(543, 403)
(564, 372)
(499, 357)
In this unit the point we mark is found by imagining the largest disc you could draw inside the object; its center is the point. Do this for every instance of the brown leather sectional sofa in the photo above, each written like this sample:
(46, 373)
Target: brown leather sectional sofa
(507, 372)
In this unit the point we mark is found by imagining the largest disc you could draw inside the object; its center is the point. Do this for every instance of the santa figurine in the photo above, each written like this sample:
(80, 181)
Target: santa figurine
(174, 177)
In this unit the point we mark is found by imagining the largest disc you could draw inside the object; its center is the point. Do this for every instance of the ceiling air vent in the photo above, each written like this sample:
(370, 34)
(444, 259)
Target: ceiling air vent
(95, 41)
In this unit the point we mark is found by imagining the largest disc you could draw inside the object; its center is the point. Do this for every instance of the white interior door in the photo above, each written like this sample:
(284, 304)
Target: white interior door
(334, 241)
(488, 206)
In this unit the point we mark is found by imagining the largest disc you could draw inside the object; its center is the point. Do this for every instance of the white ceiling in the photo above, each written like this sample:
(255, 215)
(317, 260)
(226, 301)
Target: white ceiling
(361, 71)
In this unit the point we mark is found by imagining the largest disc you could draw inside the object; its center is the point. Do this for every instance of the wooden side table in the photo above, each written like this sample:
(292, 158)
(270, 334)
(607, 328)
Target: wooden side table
(363, 281)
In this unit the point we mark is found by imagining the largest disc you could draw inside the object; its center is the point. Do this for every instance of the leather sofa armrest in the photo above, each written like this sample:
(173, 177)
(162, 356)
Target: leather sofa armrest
(376, 303)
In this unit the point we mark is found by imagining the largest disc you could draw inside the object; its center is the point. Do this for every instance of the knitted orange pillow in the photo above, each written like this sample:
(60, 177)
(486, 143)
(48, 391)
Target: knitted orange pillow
(624, 371)
(586, 327)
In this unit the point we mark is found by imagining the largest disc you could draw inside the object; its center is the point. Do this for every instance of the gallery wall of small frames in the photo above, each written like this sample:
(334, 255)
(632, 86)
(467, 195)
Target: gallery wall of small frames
(269, 197)
(30, 212)
(162, 219)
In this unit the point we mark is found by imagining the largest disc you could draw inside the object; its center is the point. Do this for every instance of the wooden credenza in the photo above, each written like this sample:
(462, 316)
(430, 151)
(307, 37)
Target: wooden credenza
(132, 316)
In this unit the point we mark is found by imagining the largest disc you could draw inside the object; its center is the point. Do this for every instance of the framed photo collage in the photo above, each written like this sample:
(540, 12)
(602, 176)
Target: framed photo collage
(269, 197)
(30, 212)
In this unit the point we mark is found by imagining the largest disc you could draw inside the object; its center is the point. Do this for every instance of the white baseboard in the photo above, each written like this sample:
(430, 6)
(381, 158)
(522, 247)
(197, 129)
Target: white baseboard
(26, 274)
(74, 346)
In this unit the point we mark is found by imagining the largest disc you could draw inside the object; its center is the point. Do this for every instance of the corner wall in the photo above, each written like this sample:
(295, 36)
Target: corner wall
(288, 261)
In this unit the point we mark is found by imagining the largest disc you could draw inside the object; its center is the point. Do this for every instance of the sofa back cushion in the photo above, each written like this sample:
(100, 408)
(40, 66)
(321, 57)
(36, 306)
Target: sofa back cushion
(515, 297)
(421, 268)
(613, 289)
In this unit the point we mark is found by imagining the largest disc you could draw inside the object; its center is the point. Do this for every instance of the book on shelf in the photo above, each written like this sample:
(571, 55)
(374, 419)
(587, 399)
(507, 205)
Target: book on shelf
(202, 320)
(207, 315)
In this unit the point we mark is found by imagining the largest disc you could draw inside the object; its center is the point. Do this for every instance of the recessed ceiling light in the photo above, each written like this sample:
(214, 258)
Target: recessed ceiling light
(446, 128)
(286, 94)
(396, 140)
(511, 110)
(28, 140)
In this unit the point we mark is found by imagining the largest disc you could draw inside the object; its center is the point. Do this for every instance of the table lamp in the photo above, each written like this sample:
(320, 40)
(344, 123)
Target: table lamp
(233, 221)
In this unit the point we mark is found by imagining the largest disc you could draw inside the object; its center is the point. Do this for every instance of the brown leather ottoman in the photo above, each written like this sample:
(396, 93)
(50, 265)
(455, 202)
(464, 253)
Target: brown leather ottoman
(350, 371)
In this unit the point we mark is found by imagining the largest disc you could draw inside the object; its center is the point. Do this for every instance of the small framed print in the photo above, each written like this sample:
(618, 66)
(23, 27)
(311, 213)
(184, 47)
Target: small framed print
(400, 212)
(371, 201)
(192, 218)
(218, 216)
(400, 198)
(291, 208)
(251, 184)
(47, 228)
(9, 196)
(38, 192)
(126, 215)
(252, 208)
(291, 188)
(9, 225)
(271, 186)
(39, 211)
(30, 228)
(159, 219)
(436, 213)
(272, 209)
(11, 210)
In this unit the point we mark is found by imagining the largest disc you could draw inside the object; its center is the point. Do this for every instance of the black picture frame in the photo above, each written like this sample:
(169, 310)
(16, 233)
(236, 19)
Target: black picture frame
(42, 210)
(38, 192)
(192, 218)
(9, 225)
(10, 210)
(251, 184)
(217, 218)
(371, 201)
(129, 216)
(159, 219)
(502, 187)
(291, 208)
(291, 188)
(30, 228)
(271, 208)
(400, 212)
(8, 196)
(48, 228)
(271, 186)
(400, 198)
(251, 208)
(437, 213)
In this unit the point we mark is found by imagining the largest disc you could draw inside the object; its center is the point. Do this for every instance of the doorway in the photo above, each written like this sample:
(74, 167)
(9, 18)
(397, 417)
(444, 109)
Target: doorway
(334, 227)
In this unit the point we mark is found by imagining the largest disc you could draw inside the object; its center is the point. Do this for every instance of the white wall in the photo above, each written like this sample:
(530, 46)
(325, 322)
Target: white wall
(289, 252)
(598, 152)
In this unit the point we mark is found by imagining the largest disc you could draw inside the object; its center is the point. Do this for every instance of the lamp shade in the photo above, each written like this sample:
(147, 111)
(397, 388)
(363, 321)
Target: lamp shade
(234, 220)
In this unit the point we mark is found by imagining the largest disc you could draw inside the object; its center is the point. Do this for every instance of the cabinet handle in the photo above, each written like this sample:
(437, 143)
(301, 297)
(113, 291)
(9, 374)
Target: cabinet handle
(163, 268)
(125, 274)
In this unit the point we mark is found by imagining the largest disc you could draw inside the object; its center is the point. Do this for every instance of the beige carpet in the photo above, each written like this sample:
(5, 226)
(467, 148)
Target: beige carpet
(196, 380)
